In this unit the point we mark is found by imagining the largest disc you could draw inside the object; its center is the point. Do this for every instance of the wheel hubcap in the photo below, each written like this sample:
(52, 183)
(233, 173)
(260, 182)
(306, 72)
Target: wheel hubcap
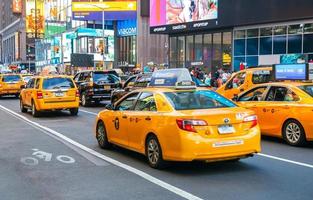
(100, 135)
(33, 109)
(153, 151)
(83, 100)
(293, 132)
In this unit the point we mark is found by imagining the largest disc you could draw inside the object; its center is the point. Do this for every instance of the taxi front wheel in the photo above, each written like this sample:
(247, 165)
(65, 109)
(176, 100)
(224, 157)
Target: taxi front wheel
(154, 153)
(22, 107)
(293, 133)
(102, 137)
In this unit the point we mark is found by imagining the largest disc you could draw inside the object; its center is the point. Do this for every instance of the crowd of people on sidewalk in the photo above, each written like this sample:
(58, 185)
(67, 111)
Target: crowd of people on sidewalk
(216, 80)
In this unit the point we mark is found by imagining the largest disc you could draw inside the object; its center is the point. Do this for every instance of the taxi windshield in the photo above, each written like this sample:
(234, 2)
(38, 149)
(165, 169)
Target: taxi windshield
(194, 100)
(11, 78)
(308, 89)
(57, 83)
(105, 78)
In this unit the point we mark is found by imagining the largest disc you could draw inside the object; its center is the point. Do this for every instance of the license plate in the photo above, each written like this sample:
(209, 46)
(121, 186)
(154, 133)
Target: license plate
(107, 87)
(226, 129)
(228, 143)
(59, 94)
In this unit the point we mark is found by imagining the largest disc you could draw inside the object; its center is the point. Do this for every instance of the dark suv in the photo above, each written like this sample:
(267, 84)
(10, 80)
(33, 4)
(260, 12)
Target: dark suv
(131, 84)
(95, 86)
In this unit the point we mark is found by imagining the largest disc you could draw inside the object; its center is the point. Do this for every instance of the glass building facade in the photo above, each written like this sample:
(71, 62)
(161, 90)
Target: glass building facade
(208, 51)
(269, 44)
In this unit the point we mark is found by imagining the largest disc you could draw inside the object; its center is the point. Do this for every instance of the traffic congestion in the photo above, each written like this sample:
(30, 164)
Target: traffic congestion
(164, 117)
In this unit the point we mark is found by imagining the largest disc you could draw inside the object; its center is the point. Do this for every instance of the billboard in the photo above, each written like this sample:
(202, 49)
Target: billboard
(171, 12)
(35, 20)
(17, 6)
(126, 28)
(114, 9)
(291, 71)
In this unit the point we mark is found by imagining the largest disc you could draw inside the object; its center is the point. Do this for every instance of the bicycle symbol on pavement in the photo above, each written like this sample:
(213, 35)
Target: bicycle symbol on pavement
(45, 156)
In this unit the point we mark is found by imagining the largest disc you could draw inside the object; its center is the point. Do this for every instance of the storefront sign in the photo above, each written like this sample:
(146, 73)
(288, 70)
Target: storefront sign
(35, 20)
(17, 6)
(90, 32)
(114, 10)
(126, 28)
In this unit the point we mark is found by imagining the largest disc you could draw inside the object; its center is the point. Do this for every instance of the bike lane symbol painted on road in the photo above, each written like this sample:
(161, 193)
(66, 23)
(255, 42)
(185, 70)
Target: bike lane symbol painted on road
(45, 156)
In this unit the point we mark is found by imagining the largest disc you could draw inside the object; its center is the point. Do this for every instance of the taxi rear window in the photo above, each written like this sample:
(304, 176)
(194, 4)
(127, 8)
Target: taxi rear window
(308, 89)
(57, 83)
(11, 78)
(194, 100)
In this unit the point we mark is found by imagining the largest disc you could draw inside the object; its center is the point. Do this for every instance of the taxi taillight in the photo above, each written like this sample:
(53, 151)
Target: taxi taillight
(190, 124)
(39, 95)
(77, 93)
(251, 119)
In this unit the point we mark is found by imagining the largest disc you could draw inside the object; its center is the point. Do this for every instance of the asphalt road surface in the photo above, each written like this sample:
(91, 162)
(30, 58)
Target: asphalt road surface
(57, 157)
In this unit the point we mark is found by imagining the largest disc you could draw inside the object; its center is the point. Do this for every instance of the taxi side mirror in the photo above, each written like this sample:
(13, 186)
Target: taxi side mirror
(109, 107)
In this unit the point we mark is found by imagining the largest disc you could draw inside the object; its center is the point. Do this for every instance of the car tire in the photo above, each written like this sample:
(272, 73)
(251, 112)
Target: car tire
(84, 100)
(154, 153)
(74, 111)
(35, 112)
(102, 137)
(293, 133)
(22, 107)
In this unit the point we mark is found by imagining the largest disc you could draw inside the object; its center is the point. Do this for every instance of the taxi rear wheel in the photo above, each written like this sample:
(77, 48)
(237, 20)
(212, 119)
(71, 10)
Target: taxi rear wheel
(22, 107)
(35, 112)
(293, 133)
(74, 111)
(102, 137)
(84, 100)
(154, 153)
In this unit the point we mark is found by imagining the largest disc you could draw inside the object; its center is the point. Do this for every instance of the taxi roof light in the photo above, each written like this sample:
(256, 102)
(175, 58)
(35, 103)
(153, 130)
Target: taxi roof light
(189, 124)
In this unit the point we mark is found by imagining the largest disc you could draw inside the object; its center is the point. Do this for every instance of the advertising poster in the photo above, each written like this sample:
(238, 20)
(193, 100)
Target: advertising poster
(114, 9)
(290, 72)
(35, 20)
(170, 12)
(17, 6)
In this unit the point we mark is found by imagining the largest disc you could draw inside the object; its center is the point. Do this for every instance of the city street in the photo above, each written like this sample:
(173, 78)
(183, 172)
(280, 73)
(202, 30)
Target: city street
(57, 157)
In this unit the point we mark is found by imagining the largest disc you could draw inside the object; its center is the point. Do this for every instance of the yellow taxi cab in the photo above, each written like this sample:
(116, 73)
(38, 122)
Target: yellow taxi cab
(244, 80)
(284, 109)
(49, 93)
(10, 84)
(180, 123)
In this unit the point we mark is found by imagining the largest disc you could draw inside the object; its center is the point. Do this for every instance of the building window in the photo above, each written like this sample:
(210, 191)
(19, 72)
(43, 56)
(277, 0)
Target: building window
(198, 47)
(252, 46)
(239, 47)
(308, 43)
(280, 30)
(189, 48)
(227, 49)
(294, 43)
(173, 49)
(295, 29)
(181, 49)
(240, 34)
(252, 33)
(308, 28)
(266, 45)
(217, 49)
(268, 31)
(252, 61)
(237, 61)
(280, 44)
(207, 47)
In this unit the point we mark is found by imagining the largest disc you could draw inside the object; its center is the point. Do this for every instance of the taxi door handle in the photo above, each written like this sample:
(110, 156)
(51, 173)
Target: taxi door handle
(148, 118)
(124, 116)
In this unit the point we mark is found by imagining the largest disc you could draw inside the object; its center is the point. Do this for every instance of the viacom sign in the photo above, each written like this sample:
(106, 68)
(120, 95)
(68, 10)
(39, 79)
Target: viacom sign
(126, 28)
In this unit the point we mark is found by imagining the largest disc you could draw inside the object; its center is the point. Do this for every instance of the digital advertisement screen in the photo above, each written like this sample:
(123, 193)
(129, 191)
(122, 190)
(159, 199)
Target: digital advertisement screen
(291, 72)
(170, 12)
(113, 9)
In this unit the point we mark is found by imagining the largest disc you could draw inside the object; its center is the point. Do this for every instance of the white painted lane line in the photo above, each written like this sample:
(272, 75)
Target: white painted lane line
(261, 154)
(133, 170)
(85, 111)
(286, 160)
